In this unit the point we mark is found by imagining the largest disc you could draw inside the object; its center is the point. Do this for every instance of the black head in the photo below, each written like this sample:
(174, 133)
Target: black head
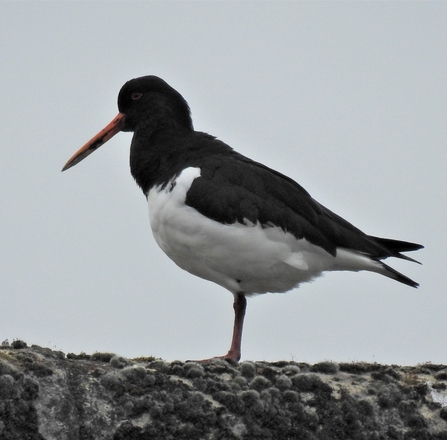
(149, 97)
(147, 102)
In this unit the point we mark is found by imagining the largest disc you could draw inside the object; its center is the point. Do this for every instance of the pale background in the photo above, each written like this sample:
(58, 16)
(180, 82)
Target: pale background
(347, 98)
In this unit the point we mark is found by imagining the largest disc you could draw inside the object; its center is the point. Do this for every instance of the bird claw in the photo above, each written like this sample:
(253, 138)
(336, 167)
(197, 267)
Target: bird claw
(229, 357)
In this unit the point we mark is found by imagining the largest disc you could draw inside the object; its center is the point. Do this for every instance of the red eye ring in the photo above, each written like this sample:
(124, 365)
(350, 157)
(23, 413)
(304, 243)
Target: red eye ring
(136, 95)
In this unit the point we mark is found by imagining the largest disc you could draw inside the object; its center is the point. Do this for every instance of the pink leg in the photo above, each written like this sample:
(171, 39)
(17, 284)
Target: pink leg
(234, 353)
(239, 306)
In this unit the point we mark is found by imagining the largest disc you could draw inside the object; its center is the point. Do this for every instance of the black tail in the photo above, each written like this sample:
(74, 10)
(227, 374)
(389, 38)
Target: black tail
(395, 248)
(397, 245)
(395, 275)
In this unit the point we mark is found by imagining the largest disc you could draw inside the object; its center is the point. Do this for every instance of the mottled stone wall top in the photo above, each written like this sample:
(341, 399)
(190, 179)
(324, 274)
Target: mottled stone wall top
(47, 395)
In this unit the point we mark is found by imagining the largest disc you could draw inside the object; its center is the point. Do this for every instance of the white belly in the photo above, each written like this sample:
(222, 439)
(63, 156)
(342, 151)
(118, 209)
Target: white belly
(240, 257)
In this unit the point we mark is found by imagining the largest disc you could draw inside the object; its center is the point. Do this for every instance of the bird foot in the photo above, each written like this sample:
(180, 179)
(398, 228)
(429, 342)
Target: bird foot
(231, 358)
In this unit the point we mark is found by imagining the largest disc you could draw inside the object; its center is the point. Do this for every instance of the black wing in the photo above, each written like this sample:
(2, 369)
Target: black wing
(234, 188)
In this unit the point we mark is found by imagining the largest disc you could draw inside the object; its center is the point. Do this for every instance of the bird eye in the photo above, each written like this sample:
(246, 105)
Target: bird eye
(136, 96)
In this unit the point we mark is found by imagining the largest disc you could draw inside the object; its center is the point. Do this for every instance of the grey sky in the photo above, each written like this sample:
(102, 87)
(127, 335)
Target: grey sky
(347, 98)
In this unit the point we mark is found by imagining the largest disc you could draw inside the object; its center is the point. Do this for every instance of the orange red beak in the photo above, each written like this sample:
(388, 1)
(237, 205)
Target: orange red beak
(95, 142)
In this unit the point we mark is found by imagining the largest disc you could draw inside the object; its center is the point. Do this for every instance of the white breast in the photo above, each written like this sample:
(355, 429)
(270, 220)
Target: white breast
(240, 257)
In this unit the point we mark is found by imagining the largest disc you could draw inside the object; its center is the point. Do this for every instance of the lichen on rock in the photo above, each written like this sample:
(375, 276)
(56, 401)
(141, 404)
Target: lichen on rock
(45, 395)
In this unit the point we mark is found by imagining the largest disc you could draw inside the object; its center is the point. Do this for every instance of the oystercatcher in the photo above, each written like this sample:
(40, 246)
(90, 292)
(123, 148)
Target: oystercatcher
(226, 218)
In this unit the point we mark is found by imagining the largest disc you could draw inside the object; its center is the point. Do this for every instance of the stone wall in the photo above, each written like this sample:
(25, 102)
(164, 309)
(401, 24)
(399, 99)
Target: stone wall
(46, 395)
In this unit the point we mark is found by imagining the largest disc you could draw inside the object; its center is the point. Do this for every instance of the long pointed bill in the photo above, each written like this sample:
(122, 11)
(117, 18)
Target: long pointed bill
(93, 144)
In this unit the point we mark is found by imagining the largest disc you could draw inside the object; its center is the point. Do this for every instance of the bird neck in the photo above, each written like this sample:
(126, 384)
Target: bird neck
(157, 155)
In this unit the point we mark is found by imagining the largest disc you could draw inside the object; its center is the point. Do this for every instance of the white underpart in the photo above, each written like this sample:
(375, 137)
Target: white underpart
(240, 257)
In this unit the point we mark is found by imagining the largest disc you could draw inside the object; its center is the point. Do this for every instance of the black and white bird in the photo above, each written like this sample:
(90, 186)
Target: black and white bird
(226, 218)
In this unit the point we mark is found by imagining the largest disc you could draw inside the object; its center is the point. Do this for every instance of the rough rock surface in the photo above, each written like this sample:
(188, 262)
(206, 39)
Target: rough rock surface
(45, 395)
